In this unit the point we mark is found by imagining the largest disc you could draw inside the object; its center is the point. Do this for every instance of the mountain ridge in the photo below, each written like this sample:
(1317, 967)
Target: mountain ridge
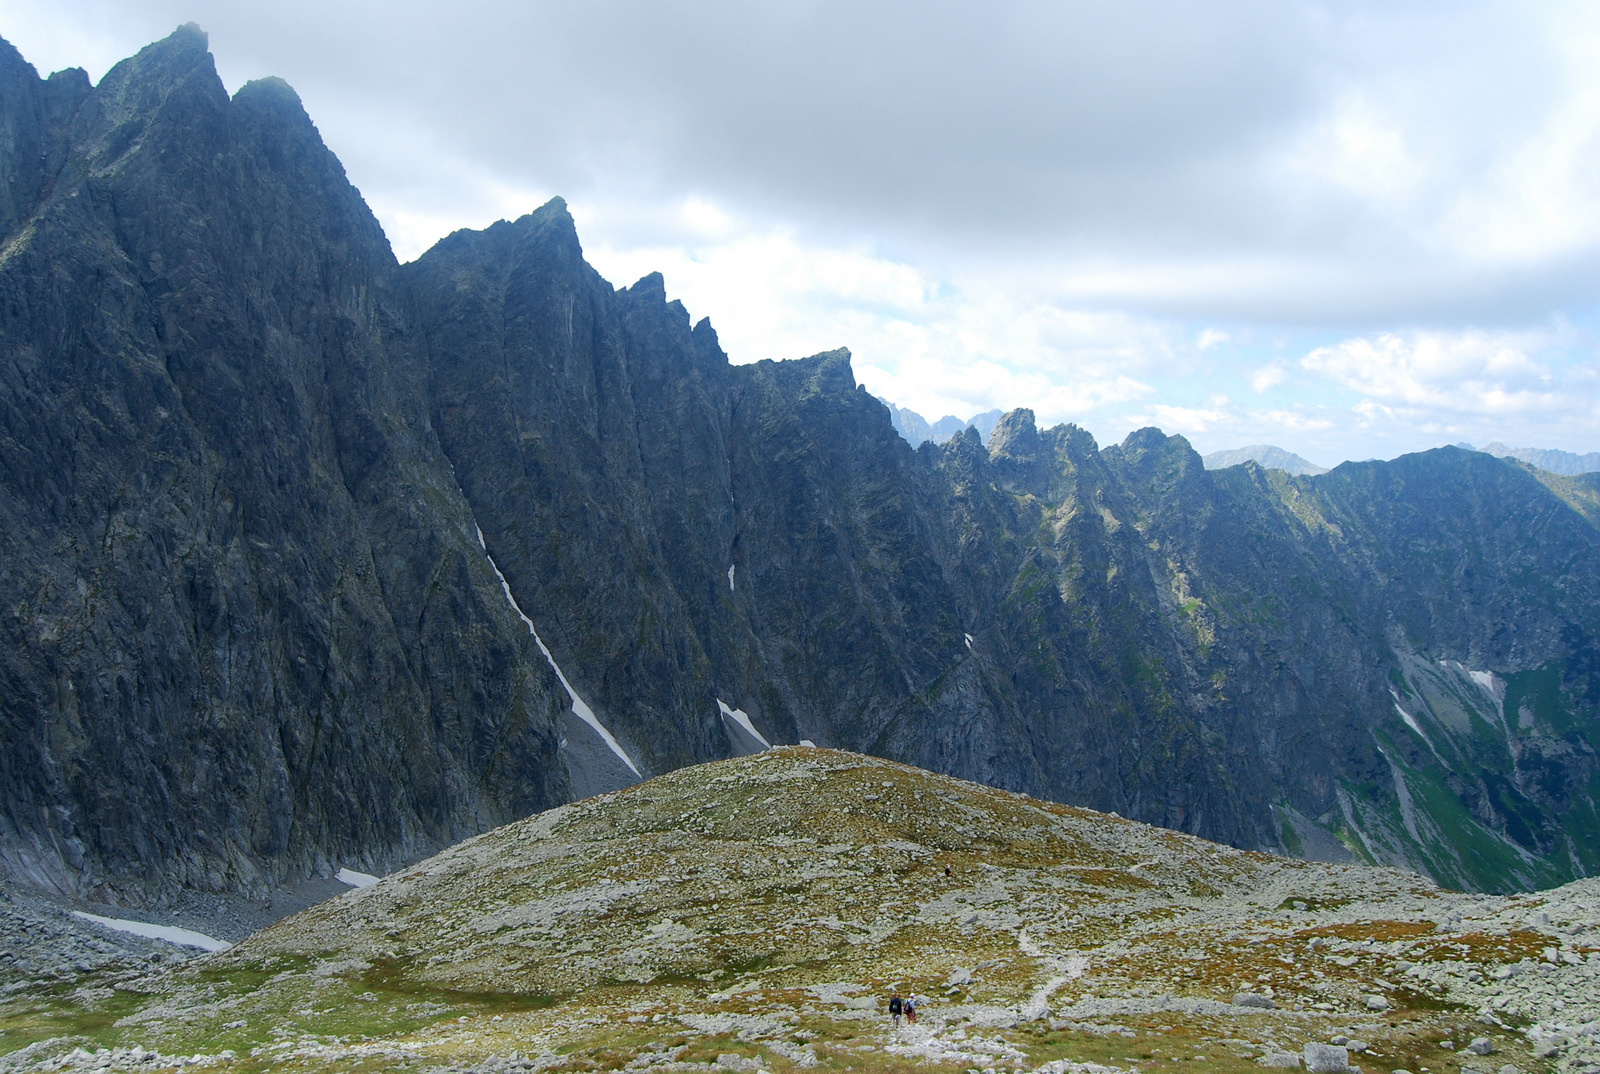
(314, 560)
(1565, 463)
(917, 430)
(1273, 458)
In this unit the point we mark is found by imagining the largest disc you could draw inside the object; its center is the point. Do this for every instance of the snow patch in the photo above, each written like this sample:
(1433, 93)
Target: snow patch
(1411, 721)
(579, 708)
(355, 879)
(808, 742)
(969, 640)
(740, 717)
(730, 578)
(1491, 684)
(168, 933)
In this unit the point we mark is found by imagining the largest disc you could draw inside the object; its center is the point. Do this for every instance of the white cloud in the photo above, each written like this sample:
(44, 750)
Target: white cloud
(1538, 198)
(938, 346)
(1363, 150)
(1265, 378)
(1184, 419)
(1463, 372)
(1296, 421)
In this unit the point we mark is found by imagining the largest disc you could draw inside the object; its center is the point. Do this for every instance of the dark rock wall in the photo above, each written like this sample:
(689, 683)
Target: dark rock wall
(248, 627)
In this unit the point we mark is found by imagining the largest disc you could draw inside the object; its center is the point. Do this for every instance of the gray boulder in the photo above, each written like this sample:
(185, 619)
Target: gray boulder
(1253, 999)
(1327, 1058)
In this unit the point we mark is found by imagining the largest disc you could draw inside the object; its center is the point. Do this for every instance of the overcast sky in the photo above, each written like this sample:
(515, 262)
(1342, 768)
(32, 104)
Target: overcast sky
(1350, 230)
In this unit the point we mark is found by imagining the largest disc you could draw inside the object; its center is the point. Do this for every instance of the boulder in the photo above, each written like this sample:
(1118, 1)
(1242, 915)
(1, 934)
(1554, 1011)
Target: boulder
(1327, 1058)
(1253, 999)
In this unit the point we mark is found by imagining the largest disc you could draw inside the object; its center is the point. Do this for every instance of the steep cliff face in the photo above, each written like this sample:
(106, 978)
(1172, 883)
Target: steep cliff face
(1213, 651)
(249, 630)
(588, 429)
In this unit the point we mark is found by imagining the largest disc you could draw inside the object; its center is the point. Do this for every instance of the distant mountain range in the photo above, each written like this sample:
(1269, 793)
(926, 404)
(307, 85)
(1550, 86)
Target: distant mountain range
(917, 431)
(1264, 455)
(1565, 463)
(1568, 463)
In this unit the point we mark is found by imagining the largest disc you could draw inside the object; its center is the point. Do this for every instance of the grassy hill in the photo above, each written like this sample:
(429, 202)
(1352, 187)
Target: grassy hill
(756, 914)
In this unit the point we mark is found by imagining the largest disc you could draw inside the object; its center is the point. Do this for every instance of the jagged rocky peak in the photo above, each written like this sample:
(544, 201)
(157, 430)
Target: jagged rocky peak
(1015, 436)
(1020, 455)
(1160, 463)
(548, 235)
(1039, 462)
(33, 131)
(1265, 455)
(833, 372)
(824, 373)
(652, 286)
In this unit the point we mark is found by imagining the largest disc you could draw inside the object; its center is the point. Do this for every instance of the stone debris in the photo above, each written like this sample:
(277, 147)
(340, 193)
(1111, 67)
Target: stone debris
(45, 1057)
(932, 1043)
(1279, 1059)
(1067, 1066)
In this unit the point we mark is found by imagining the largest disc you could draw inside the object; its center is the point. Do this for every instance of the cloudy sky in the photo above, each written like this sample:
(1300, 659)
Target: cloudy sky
(1351, 230)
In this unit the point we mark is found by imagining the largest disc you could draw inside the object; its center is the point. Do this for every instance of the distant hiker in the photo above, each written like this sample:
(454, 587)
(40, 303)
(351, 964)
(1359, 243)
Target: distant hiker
(911, 1010)
(947, 869)
(896, 1005)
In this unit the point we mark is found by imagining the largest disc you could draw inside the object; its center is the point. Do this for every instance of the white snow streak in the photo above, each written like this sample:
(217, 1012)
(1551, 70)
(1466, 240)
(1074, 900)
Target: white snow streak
(579, 708)
(1411, 722)
(740, 717)
(169, 933)
(969, 640)
(355, 879)
(730, 578)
